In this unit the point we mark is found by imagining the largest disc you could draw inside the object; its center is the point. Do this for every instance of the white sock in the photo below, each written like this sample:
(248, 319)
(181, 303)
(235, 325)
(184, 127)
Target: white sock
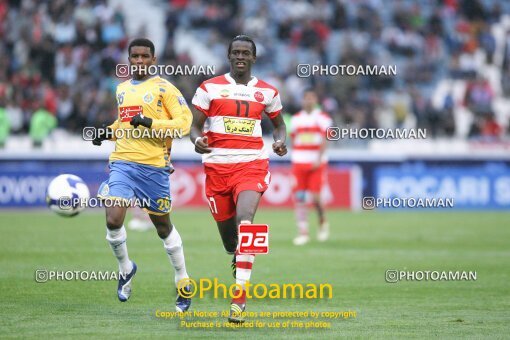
(175, 251)
(117, 239)
(244, 264)
(301, 211)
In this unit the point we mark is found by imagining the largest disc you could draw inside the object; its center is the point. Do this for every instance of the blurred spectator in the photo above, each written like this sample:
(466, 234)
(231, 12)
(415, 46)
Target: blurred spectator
(440, 122)
(63, 54)
(486, 127)
(487, 42)
(59, 47)
(419, 107)
(65, 109)
(463, 65)
(400, 102)
(112, 31)
(15, 117)
(65, 30)
(41, 124)
(491, 127)
(479, 96)
(505, 82)
(5, 125)
(445, 119)
(67, 71)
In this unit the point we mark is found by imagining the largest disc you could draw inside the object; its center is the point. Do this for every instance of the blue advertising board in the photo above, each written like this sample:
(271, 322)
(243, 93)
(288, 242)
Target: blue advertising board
(24, 183)
(484, 186)
(471, 185)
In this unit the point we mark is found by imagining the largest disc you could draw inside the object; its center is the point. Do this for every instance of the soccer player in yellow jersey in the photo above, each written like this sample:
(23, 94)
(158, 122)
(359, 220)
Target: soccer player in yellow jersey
(139, 167)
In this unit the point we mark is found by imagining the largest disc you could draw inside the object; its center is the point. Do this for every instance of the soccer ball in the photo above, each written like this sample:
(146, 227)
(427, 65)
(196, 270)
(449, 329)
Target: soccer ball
(67, 194)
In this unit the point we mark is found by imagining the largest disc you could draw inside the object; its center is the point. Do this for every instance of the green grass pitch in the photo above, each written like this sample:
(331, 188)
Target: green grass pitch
(362, 247)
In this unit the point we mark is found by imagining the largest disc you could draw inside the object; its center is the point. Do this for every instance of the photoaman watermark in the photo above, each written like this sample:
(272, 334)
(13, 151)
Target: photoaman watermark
(125, 70)
(254, 291)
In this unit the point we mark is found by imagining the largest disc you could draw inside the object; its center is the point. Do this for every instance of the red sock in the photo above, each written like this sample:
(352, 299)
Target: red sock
(241, 298)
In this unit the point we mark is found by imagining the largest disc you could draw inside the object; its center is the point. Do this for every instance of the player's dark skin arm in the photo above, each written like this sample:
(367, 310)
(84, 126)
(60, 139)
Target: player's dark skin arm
(279, 135)
(171, 168)
(197, 125)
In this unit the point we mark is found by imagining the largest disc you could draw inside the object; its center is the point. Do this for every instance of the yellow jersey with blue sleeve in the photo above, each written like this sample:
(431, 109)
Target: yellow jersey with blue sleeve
(159, 100)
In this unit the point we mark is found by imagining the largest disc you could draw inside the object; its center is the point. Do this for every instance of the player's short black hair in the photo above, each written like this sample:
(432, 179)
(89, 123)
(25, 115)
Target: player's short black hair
(243, 37)
(142, 42)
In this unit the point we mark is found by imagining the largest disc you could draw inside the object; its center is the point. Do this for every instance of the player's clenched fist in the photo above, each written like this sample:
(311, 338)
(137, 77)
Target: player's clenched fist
(279, 148)
(140, 119)
(201, 145)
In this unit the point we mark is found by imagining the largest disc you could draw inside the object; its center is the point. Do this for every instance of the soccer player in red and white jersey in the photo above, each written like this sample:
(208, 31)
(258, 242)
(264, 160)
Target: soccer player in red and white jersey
(309, 164)
(233, 154)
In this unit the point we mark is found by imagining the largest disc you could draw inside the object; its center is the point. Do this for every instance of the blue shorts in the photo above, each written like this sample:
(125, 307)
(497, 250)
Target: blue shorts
(140, 183)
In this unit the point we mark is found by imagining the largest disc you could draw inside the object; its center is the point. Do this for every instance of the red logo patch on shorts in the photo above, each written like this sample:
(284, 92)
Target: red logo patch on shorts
(128, 112)
(253, 239)
(258, 96)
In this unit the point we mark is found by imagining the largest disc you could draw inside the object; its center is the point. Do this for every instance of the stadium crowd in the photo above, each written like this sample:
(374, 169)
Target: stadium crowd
(59, 58)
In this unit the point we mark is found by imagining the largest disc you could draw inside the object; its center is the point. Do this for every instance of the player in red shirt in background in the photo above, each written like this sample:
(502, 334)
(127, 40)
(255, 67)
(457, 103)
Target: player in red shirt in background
(232, 148)
(309, 164)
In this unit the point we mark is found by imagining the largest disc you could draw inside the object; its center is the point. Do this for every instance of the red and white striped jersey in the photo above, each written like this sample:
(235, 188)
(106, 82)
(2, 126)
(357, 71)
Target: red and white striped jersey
(234, 112)
(308, 132)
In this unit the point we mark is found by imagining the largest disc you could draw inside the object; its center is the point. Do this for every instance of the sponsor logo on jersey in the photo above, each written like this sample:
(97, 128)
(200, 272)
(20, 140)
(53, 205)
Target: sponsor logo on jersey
(224, 93)
(105, 190)
(239, 126)
(148, 97)
(182, 101)
(241, 94)
(120, 97)
(258, 96)
(307, 138)
(128, 112)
